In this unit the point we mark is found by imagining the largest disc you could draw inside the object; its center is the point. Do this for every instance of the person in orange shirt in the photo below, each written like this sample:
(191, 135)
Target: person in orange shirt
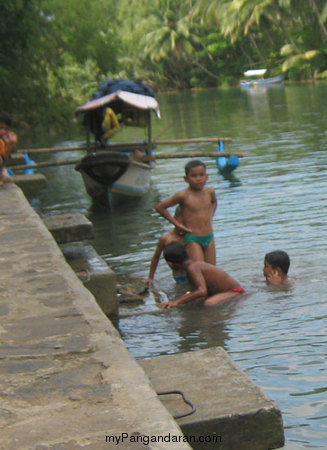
(7, 141)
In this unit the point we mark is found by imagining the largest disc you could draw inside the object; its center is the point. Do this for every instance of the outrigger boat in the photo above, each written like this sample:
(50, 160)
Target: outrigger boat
(122, 168)
(260, 81)
(111, 169)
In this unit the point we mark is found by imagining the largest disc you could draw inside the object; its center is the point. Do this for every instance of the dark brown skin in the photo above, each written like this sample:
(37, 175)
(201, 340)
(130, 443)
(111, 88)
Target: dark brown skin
(275, 275)
(209, 284)
(167, 238)
(198, 204)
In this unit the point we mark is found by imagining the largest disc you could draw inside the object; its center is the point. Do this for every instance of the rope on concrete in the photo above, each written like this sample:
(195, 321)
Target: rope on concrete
(176, 391)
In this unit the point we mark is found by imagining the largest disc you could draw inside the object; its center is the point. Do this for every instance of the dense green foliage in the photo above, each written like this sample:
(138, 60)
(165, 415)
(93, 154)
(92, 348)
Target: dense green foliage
(53, 53)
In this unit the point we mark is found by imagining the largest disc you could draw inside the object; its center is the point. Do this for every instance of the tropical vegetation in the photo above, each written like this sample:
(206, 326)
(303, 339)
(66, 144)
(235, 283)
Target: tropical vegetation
(54, 53)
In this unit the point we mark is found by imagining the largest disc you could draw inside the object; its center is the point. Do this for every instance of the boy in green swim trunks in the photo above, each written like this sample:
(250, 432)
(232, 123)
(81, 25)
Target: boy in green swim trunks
(198, 204)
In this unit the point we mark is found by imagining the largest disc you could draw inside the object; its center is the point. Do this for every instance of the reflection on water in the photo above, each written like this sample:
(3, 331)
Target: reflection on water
(276, 200)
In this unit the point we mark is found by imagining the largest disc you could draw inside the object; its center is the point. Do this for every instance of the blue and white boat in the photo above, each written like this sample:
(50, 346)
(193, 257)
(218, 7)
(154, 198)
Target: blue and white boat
(260, 81)
(118, 168)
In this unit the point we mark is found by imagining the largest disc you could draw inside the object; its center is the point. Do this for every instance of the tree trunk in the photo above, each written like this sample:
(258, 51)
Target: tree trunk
(321, 24)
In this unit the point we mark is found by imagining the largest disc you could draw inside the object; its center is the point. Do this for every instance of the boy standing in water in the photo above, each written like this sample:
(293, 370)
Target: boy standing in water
(275, 270)
(198, 204)
(7, 140)
(209, 284)
(173, 236)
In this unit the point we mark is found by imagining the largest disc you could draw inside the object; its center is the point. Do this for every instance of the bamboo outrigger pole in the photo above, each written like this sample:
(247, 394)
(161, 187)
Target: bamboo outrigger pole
(128, 145)
(51, 150)
(191, 141)
(145, 159)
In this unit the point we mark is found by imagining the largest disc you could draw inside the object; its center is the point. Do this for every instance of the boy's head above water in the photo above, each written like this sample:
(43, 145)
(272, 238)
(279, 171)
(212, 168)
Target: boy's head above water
(278, 259)
(276, 265)
(192, 164)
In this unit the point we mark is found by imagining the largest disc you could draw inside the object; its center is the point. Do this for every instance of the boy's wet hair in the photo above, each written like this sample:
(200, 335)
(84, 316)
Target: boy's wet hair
(278, 258)
(175, 253)
(5, 118)
(193, 163)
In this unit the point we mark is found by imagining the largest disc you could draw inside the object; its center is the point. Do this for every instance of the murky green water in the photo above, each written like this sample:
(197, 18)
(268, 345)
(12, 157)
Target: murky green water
(278, 201)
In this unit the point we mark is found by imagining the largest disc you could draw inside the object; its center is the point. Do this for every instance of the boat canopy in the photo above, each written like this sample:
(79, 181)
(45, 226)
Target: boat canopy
(138, 101)
(255, 72)
(116, 103)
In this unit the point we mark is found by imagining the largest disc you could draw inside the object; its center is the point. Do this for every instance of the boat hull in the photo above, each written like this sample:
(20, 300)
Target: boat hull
(263, 82)
(135, 181)
(107, 173)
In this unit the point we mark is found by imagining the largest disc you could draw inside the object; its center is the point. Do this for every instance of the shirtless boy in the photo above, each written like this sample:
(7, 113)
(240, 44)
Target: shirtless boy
(7, 140)
(209, 284)
(198, 204)
(173, 236)
(275, 270)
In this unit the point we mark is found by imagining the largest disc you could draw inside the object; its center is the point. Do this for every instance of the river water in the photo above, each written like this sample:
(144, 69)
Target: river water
(276, 201)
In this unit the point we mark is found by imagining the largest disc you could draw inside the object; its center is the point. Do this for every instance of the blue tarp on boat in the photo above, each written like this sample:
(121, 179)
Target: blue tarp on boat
(110, 86)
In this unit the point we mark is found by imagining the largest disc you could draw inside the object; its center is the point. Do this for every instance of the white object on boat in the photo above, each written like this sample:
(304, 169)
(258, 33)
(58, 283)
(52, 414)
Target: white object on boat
(255, 72)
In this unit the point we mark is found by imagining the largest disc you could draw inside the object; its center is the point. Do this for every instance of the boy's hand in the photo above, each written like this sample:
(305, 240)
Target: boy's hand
(167, 305)
(183, 229)
(274, 277)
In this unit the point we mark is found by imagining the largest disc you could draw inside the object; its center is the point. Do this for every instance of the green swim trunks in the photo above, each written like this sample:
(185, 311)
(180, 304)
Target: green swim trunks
(204, 241)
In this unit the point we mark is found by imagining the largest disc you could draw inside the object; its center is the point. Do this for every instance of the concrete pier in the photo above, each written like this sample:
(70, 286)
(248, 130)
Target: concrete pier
(231, 411)
(68, 382)
(96, 276)
(66, 378)
(29, 183)
(69, 227)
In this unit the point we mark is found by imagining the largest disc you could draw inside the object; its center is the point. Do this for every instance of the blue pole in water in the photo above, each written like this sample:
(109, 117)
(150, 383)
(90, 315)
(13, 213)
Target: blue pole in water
(221, 161)
(28, 162)
(226, 165)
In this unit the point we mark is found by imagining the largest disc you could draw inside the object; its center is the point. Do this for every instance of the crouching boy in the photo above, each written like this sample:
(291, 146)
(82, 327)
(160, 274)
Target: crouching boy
(209, 284)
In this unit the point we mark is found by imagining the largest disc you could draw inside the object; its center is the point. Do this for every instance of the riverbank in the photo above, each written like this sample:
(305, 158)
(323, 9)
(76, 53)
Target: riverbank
(67, 380)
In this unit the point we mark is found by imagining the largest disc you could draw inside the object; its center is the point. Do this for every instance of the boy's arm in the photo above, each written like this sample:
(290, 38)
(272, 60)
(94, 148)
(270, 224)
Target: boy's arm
(161, 208)
(200, 292)
(155, 260)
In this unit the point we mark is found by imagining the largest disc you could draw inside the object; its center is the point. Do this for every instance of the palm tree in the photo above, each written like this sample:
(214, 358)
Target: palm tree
(170, 40)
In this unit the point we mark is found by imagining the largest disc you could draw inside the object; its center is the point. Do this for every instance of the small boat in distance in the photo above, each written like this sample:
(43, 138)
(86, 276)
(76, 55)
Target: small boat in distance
(260, 81)
(122, 168)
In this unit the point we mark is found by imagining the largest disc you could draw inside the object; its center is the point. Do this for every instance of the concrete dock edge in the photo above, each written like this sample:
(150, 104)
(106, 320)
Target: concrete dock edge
(66, 379)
